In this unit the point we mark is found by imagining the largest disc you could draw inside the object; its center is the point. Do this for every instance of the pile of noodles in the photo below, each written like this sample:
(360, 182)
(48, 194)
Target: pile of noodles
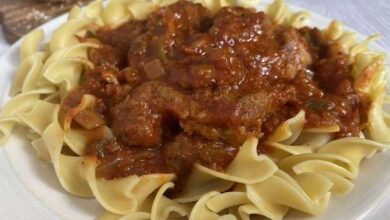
(303, 170)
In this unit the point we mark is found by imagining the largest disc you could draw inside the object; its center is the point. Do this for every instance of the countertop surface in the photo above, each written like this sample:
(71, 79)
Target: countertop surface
(367, 17)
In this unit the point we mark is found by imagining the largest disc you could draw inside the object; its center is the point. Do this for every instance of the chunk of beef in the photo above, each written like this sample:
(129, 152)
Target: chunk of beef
(232, 121)
(183, 151)
(138, 119)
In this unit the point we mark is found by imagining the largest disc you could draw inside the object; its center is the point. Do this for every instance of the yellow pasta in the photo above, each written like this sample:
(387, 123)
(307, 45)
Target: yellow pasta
(246, 168)
(23, 102)
(164, 208)
(301, 172)
(282, 15)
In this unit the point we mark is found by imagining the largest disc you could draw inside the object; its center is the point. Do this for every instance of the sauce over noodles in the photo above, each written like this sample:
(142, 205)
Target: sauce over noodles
(185, 86)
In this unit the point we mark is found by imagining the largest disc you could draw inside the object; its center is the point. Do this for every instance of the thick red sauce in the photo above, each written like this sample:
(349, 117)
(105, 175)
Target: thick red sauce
(186, 86)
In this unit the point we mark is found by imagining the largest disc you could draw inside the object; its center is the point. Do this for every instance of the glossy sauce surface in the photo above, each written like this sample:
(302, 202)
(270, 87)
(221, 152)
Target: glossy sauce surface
(186, 86)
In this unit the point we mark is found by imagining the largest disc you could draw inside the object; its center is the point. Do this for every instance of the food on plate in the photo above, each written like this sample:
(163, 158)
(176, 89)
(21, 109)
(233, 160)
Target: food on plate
(200, 109)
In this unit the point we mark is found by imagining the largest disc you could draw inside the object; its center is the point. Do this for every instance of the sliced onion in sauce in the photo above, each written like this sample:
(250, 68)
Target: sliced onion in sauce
(110, 78)
(107, 169)
(154, 69)
(89, 119)
(320, 104)
(87, 101)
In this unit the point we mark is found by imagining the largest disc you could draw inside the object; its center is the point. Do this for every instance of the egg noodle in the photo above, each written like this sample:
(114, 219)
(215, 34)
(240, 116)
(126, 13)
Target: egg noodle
(304, 169)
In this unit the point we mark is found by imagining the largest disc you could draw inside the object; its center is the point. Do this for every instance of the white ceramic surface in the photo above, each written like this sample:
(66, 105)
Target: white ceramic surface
(30, 190)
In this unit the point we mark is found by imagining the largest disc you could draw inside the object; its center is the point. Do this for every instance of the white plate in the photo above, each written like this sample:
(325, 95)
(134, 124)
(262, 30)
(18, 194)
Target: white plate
(50, 201)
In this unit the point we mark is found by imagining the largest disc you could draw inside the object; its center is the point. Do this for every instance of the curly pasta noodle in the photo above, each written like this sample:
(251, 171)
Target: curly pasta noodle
(305, 168)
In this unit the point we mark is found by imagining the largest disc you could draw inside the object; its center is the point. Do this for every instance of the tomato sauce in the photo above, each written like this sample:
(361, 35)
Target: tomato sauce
(185, 86)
